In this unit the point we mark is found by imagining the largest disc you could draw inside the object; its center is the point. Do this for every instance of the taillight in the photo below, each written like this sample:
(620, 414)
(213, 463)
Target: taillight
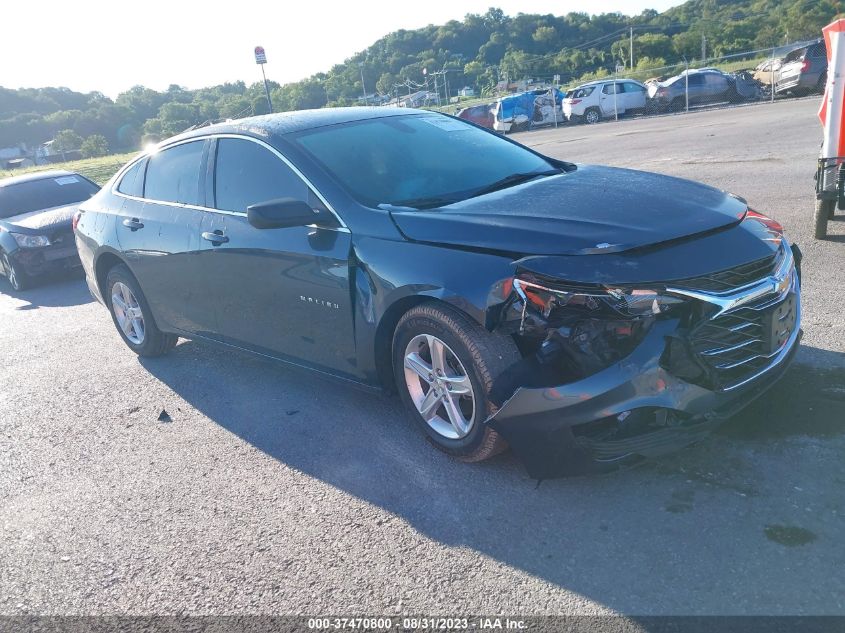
(76, 217)
(574, 101)
(805, 66)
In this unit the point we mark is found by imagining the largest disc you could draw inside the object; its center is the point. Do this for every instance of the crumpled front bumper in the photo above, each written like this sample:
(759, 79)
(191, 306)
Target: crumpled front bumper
(542, 424)
(41, 261)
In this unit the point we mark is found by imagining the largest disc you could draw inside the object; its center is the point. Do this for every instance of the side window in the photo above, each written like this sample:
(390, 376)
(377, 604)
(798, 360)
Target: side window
(247, 173)
(173, 174)
(633, 88)
(132, 182)
(696, 80)
(608, 89)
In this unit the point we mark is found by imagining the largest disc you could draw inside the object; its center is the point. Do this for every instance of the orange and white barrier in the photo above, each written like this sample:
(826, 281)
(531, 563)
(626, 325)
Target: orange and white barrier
(832, 110)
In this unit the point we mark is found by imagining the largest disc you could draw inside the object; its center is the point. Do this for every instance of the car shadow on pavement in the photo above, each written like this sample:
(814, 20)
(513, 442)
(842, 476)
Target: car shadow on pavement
(57, 290)
(685, 524)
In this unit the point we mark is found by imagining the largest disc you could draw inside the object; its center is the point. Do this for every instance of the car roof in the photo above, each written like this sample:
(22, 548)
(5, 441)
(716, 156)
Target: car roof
(599, 82)
(282, 123)
(35, 175)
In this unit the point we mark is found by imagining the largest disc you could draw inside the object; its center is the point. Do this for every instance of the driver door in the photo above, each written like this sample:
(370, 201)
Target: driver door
(283, 292)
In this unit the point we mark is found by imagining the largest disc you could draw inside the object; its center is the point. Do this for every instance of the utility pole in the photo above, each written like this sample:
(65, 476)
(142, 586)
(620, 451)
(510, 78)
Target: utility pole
(703, 48)
(632, 48)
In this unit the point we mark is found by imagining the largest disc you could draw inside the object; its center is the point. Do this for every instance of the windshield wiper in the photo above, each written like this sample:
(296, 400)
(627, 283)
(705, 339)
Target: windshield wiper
(513, 180)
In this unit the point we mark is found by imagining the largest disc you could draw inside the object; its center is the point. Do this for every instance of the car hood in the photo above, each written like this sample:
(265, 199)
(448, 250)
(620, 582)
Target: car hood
(42, 220)
(590, 211)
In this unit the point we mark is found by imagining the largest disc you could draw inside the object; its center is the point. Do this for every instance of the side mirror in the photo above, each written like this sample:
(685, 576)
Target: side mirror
(285, 212)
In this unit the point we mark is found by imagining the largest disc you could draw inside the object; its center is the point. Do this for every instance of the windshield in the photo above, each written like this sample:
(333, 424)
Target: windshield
(419, 161)
(45, 193)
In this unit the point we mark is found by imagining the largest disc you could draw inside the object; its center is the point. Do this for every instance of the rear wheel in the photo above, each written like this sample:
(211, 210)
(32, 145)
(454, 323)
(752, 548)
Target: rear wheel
(18, 279)
(444, 366)
(132, 317)
(592, 115)
(824, 211)
(678, 104)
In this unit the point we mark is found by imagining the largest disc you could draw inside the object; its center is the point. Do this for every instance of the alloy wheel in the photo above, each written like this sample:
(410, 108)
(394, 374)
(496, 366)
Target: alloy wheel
(592, 117)
(439, 386)
(127, 311)
(11, 273)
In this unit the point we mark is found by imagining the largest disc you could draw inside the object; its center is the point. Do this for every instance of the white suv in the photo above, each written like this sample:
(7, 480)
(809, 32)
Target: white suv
(593, 101)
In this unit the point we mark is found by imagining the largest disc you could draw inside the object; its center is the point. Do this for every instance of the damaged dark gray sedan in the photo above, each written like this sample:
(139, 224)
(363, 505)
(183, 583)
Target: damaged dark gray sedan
(586, 316)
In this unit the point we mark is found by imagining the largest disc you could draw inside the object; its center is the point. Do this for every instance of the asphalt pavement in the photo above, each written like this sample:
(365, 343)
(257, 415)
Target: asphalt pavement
(268, 490)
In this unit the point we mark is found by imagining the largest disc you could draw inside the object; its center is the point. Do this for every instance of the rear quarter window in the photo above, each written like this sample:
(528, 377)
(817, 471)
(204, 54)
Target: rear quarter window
(132, 182)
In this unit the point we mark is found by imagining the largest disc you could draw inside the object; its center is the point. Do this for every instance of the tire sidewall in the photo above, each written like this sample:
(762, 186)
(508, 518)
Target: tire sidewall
(419, 324)
(19, 282)
(121, 274)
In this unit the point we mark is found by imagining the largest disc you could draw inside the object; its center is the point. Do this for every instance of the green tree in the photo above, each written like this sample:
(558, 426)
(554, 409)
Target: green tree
(66, 141)
(95, 145)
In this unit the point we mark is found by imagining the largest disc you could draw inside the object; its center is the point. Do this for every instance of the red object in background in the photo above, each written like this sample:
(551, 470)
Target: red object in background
(480, 115)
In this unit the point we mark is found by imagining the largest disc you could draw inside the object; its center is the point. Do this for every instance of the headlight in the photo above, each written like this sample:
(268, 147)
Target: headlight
(613, 302)
(593, 327)
(31, 241)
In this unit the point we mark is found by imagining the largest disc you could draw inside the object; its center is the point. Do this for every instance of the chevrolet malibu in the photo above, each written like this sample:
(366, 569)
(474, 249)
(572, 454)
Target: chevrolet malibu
(587, 317)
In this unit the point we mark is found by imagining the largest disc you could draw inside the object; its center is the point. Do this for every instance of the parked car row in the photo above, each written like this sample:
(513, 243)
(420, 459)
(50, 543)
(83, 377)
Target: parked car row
(801, 71)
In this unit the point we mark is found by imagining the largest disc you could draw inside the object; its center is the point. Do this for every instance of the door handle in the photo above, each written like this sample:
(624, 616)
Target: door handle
(133, 224)
(215, 238)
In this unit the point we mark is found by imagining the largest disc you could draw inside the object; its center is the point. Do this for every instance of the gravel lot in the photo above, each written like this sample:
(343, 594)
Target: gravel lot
(274, 491)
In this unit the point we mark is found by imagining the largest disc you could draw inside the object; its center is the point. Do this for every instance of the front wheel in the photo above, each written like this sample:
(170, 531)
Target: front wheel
(18, 279)
(824, 211)
(444, 366)
(132, 317)
(591, 116)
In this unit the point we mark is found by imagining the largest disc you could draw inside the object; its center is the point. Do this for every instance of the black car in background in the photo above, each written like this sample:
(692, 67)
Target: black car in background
(586, 316)
(36, 214)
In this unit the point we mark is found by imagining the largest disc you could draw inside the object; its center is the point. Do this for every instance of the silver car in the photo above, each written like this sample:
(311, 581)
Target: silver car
(591, 102)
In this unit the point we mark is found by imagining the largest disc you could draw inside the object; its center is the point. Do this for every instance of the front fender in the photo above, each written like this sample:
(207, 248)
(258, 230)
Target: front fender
(390, 277)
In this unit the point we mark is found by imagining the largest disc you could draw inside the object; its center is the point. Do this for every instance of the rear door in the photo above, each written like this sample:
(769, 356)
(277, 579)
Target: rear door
(158, 231)
(697, 88)
(284, 292)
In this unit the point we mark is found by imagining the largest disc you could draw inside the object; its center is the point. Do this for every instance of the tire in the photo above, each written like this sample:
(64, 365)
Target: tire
(18, 279)
(142, 335)
(472, 357)
(678, 105)
(824, 209)
(592, 116)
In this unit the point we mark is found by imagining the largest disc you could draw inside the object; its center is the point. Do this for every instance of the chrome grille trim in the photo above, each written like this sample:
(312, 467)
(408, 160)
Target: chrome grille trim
(731, 341)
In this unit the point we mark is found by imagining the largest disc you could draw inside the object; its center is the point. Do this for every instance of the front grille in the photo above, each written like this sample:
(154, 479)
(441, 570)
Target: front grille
(741, 343)
(727, 280)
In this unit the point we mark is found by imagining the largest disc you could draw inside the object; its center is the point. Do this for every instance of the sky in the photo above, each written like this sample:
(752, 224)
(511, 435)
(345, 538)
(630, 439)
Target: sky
(113, 45)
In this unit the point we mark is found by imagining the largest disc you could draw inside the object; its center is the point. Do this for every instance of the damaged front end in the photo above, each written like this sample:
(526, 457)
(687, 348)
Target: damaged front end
(612, 374)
